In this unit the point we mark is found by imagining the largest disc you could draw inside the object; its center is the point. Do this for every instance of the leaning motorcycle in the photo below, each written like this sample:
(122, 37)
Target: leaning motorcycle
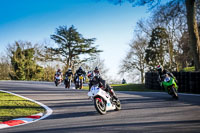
(79, 82)
(67, 81)
(170, 86)
(57, 80)
(102, 100)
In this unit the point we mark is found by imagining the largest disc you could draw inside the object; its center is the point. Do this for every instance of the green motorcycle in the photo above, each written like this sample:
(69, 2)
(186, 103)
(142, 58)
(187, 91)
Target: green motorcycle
(170, 86)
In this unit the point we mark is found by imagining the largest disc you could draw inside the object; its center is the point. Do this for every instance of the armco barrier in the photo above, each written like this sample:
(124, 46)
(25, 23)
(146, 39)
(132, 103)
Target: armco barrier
(187, 81)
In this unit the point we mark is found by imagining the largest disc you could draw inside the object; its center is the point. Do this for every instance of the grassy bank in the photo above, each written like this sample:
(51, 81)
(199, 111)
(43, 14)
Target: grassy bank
(130, 87)
(127, 87)
(12, 106)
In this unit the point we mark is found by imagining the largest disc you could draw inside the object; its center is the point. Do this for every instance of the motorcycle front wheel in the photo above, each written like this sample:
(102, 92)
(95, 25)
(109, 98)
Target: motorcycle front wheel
(174, 95)
(100, 105)
(56, 83)
(81, 84)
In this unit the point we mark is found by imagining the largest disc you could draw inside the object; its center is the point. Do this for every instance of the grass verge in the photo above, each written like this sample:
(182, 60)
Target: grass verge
(12, 106)
(128, 87)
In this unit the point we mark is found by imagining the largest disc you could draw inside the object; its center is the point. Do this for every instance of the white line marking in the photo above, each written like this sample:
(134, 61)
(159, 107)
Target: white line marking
(49, 111)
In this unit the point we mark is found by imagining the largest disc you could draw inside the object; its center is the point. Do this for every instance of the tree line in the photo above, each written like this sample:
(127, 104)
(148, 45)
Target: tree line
(27, 61)
(169, 37)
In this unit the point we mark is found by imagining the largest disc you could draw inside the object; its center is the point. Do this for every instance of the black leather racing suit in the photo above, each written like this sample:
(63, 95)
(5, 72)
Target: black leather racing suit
(161, 76)
(102, 84)
(78, 73)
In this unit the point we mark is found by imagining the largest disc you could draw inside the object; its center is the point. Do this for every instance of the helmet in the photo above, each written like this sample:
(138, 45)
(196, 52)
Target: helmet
(96, 68)
(69, 69)
(90, 74)
(159, 68)
(59, 69)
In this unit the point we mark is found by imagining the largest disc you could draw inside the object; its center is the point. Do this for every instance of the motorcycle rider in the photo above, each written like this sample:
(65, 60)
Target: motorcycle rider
(95, 78)
(59, 74)
(161, 74)
(90, 76)
(78, 73)
(96, 70)
(68, 73)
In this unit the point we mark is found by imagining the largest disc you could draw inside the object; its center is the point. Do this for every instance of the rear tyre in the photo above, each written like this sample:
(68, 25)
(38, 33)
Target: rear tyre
(100, 106)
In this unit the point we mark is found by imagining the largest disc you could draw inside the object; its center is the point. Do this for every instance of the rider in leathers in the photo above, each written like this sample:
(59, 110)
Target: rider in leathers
(58, 73)
(68, 73)
(78, 73)
(95, 78)
(162, 73)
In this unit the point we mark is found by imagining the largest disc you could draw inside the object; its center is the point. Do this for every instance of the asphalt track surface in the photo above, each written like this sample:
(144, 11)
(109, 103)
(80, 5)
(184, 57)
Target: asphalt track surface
(73, 112)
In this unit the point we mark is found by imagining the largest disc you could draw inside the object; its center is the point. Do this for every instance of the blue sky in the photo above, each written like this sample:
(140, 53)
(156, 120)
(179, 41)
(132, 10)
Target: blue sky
(35, 20)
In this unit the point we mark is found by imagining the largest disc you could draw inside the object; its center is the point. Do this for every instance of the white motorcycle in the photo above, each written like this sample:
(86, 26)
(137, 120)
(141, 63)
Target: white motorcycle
(102, 100)
(57, 80)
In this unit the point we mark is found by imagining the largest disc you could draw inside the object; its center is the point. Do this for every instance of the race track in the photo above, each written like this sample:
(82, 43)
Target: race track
(73, 112)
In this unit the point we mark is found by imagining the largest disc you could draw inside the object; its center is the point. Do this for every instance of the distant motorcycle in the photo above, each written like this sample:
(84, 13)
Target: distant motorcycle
(170, 85)
(102, 100)
(57, 80)
(68, 81)
(79, 82)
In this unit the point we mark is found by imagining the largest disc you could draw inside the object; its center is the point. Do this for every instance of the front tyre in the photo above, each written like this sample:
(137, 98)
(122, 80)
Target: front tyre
(100, 105)
(118, 106)
(174, 95)
(56, 82)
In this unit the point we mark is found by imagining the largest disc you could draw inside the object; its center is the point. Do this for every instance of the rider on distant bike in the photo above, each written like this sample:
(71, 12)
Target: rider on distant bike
(68, 73)
(78, 73)
(59, 74)
(95, 78)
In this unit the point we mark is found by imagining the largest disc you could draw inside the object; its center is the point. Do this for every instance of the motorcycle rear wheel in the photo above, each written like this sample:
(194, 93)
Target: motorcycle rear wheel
(100, 106)
(118, 106)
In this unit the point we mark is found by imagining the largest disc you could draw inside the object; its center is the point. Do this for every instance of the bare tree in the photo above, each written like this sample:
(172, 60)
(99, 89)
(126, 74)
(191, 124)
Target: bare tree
(135, 58)
(97, 62)
(5, 67)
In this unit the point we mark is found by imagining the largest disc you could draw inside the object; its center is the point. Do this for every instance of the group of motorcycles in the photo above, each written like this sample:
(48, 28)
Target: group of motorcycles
(103, 101)
(78, 81)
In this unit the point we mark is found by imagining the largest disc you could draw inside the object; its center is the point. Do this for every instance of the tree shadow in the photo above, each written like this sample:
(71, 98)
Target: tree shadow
(161, 126)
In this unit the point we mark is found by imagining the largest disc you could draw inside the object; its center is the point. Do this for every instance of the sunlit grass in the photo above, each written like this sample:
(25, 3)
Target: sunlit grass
(130, 87)
(12, 106)
(127, 87)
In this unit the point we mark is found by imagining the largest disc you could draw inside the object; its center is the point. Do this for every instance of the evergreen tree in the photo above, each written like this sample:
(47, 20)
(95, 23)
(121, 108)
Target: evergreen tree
(71, 44)
(17, 61)
(24, 63)
(157, 49)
